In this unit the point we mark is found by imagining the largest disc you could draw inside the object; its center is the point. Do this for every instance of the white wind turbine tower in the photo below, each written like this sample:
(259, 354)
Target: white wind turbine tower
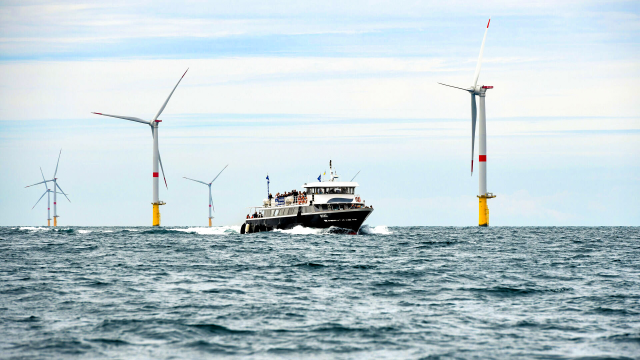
(47, 192)
(209, 185)
(480, 90)
(156, 153)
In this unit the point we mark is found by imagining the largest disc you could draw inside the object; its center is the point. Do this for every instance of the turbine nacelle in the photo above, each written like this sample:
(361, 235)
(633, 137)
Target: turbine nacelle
(479, 89)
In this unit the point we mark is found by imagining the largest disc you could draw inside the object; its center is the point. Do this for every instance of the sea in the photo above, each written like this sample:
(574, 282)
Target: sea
(386, 293)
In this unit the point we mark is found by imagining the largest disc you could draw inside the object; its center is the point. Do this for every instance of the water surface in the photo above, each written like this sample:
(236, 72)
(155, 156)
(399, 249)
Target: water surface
(399, 292)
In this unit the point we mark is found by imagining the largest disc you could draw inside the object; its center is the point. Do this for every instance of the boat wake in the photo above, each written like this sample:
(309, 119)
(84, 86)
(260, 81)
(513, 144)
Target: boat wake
(364, 230)
(301, 230)
(375, 230)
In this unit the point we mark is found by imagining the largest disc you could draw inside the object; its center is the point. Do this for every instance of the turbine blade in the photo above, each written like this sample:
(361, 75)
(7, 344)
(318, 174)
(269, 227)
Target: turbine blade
(58, 163)
(62, 191)
(45, 180)
(166, 101)
(455, 87)
(214, 179)
(473, 127)
(201, 182)
(38, 183)
(45, 193)
(124, 117)
(161, 168)
(479, 64)
(160, 161)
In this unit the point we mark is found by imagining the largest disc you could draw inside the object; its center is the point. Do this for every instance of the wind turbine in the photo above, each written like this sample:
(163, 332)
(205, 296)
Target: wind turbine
(56, 187)
(209, 185)
(481, 91)
(156, 153)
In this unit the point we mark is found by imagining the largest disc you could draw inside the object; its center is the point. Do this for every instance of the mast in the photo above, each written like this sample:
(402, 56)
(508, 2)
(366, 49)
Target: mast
(55, 203)
(156, 180)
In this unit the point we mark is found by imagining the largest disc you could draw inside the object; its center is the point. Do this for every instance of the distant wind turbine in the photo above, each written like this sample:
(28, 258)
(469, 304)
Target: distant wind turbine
(48, 191)
(156, 153)
(209, 185)
(480, 90)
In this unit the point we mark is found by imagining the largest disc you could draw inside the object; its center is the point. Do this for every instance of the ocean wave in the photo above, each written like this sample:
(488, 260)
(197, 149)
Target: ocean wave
(33, 228)
(219, 329)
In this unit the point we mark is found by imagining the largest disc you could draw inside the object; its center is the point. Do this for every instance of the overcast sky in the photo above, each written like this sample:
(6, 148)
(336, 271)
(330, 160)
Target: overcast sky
(282, 87)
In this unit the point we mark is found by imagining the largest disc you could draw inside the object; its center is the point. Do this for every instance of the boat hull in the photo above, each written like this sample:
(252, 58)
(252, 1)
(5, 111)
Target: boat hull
(350, 219)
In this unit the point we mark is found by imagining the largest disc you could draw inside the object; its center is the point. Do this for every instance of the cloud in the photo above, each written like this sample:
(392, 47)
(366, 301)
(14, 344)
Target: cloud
(400, 88)
(534, 209)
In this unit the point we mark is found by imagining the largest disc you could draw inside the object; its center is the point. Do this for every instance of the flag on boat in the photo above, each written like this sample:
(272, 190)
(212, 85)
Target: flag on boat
(319, 177)
(267, 178)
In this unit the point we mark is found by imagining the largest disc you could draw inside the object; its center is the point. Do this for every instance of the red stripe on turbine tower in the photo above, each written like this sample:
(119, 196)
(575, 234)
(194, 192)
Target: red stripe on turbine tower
(155, 174)
(482, 158)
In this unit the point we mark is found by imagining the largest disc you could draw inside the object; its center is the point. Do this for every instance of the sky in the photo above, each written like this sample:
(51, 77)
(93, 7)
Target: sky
(282, 87)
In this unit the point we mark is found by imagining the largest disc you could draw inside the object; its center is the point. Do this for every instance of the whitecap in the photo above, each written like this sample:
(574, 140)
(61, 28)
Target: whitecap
(33, 228)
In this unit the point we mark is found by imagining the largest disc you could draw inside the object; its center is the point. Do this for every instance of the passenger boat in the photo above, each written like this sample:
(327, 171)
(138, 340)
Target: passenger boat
(322, 204)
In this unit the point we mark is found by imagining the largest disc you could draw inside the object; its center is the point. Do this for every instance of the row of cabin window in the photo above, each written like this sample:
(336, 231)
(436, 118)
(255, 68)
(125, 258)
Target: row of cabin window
(308, 209)
(331, 190)
(281, 212)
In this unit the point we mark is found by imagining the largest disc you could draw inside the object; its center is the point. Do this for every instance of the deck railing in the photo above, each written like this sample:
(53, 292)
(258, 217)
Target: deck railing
(301, 199)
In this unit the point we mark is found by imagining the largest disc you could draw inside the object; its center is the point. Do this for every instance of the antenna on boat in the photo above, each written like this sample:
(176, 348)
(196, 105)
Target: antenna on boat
(356, 175)
(332, 173)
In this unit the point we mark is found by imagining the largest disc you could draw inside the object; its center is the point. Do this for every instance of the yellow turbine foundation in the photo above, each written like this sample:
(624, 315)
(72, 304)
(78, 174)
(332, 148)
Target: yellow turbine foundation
(55, 221)
(48, 222)
(483, 209)
(156, 214)
(209, 222)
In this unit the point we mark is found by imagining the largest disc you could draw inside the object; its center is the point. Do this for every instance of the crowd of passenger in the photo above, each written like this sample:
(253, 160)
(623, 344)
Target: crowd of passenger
(286, 194)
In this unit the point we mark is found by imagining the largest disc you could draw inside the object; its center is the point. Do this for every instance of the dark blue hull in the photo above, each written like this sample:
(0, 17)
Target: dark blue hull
(350, 219)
